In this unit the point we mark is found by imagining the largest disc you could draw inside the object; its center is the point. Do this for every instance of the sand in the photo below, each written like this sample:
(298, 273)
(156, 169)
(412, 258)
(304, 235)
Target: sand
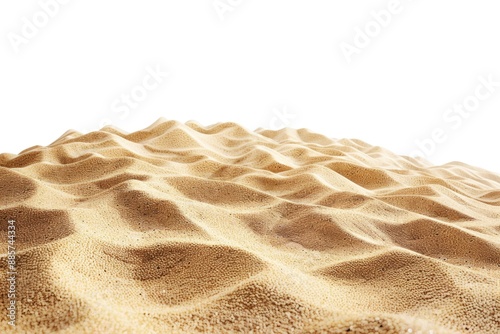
(181, 228)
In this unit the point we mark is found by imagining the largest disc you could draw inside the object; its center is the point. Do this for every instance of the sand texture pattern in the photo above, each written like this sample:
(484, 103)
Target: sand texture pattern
(182, 228)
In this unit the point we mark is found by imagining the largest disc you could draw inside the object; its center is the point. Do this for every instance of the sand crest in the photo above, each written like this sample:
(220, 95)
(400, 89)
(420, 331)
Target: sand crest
(181, 228)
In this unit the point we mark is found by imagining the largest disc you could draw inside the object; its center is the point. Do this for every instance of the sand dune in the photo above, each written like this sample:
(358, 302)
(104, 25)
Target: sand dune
(181, 228)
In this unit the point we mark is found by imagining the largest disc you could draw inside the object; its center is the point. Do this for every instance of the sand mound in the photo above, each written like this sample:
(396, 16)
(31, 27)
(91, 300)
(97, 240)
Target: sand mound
(181, 228)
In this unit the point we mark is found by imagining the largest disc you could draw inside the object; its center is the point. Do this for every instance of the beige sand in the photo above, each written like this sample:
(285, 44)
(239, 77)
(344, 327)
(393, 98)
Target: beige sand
(181, 228)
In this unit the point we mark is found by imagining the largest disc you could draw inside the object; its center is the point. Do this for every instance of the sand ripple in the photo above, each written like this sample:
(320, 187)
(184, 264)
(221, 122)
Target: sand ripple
(181, 228)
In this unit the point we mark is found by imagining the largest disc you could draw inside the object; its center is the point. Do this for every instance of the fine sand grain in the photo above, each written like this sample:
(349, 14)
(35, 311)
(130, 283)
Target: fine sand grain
(181, 228)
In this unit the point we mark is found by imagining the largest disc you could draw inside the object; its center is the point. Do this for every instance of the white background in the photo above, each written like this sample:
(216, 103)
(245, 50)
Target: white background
(251, 62)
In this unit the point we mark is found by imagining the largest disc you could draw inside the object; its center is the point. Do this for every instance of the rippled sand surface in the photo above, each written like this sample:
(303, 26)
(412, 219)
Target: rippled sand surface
(181, 228)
